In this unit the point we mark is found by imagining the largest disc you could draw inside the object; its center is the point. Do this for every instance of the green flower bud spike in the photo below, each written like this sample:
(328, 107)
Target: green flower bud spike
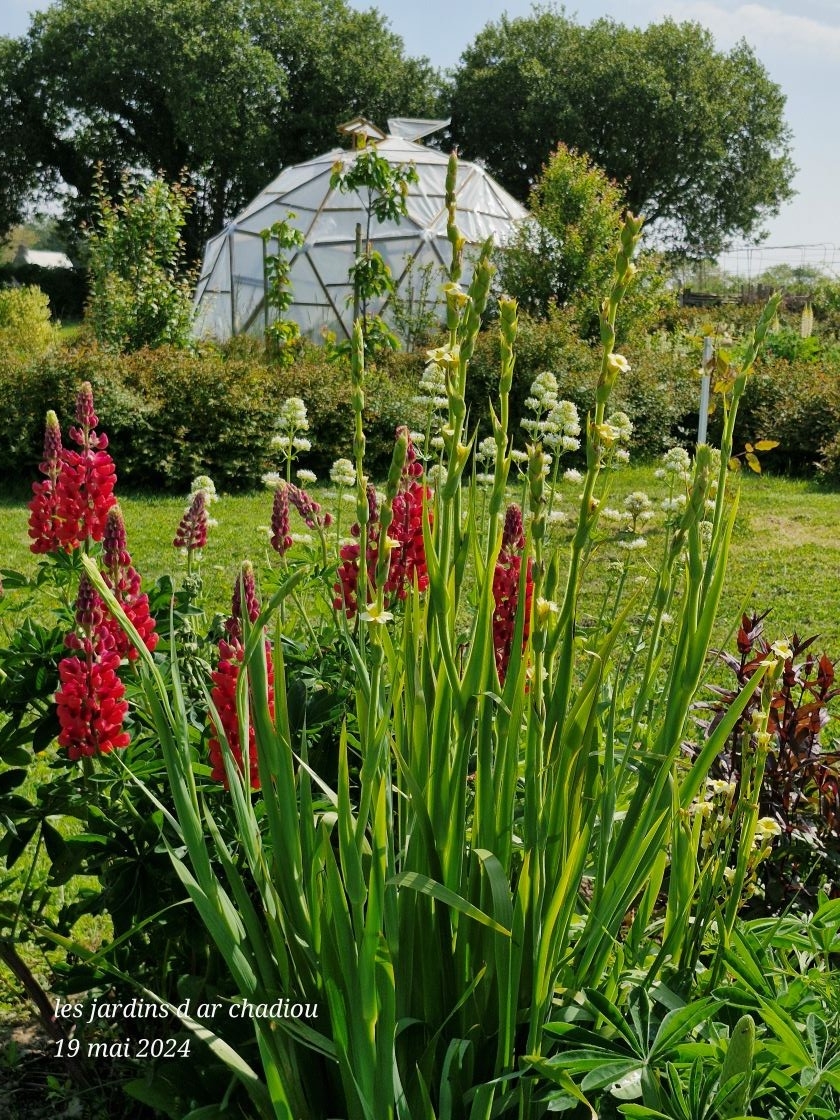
(738, 1062)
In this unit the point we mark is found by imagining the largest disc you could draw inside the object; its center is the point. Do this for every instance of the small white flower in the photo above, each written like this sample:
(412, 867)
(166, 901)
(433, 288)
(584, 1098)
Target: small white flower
(622, 425)
(301, 444)
(677, 461)
(638, 544)
(486, 450)
(572, 475)
(272, 480)
(306, 476)
(343, 473)
(637, 503)
(301, 538)
(519, 456)
(292, 415)
(205, 483)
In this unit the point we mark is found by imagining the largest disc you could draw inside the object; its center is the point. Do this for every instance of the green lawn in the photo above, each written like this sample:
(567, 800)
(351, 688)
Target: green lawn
(786, 549)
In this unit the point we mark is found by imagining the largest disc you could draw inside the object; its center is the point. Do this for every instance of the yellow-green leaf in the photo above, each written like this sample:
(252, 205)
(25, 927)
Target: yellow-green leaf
(766, 444)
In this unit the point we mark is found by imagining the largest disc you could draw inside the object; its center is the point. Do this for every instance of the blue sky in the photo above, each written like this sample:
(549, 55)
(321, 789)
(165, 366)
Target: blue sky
(798, 42)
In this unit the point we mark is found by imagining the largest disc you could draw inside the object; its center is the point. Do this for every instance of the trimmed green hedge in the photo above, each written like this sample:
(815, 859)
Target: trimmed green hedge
(173, 414)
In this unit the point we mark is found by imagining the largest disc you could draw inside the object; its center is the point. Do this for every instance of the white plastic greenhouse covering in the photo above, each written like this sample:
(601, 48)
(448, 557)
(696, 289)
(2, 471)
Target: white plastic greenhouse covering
(230, 291)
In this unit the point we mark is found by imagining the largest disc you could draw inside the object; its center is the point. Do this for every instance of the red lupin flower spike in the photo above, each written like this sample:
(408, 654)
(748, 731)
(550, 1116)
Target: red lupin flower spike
(281, 539)
(191, 534)
(124, 580)
(43, 509)
(506, 589)
(85, 486)
(90, 703)
(225, 678)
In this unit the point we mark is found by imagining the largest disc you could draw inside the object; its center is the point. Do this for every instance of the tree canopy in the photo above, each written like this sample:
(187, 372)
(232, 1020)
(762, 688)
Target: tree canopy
(221, 92)
(695, 137)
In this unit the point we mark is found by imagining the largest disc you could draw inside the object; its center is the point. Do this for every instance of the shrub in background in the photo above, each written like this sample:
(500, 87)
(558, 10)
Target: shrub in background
(66, 288)
(173, 414)
(564, 256)
(141, 293)
(25, 326)
(659, 394)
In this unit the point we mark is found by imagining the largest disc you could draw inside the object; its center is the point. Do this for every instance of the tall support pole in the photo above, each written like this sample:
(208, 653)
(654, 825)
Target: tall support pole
(706, 366)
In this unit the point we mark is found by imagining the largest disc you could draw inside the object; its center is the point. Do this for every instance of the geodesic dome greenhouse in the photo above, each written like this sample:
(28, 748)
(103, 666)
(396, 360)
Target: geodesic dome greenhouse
(230, 295)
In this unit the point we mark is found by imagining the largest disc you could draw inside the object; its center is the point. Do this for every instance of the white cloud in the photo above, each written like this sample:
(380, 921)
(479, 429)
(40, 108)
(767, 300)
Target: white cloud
(761, 25)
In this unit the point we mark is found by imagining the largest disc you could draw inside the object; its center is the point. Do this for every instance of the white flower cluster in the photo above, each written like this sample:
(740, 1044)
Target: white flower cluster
(639, 506)
(485, 455)
(677, 463)
(343, 473)
(555, 423)
(291, 420)
(204, 482)
(433, 387)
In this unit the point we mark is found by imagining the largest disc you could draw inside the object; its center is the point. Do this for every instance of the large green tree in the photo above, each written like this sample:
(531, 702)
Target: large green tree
(695, 137)
(225, 92)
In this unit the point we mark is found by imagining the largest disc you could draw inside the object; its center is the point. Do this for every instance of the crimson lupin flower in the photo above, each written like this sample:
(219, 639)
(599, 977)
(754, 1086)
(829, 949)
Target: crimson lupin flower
(124, 580)
(191, 534)
(506, 589)
(225, 678)
(85, 484)
(90, 703)
(407, 555)
(281, 539)
(43, 509)
(308, 508)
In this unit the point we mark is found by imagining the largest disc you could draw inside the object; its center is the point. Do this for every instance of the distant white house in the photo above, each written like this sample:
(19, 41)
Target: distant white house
(42, 258)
